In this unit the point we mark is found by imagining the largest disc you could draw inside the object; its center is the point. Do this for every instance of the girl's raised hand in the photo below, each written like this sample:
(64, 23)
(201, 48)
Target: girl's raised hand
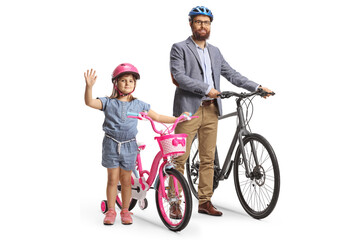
(90, 77)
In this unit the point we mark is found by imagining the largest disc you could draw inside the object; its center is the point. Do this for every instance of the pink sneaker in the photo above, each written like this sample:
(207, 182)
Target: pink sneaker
(126, 217)
(110, 216)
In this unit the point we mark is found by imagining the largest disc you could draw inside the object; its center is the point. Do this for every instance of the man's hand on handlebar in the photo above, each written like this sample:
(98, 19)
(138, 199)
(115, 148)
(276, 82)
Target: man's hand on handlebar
(213, 93)
(267, 91)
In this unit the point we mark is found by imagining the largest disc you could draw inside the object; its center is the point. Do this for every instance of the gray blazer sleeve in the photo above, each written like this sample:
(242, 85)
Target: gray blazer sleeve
(181, 69)
(235, 77)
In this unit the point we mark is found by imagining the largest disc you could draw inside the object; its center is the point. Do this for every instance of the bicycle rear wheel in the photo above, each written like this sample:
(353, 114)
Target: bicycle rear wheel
(259, 192)
(181, 198)
(193, 165)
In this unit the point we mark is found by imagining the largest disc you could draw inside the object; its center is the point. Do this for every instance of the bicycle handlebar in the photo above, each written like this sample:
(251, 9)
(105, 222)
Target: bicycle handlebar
(260, 92)
(143, 115)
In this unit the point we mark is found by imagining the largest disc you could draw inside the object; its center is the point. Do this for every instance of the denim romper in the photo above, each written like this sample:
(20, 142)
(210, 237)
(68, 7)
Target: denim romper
(120, 129)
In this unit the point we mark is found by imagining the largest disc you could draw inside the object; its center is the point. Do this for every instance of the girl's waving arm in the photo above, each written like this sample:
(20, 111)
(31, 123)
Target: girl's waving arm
(90, 79)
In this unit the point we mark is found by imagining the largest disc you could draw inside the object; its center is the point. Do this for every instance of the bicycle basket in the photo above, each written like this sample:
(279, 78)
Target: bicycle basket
(172, 144)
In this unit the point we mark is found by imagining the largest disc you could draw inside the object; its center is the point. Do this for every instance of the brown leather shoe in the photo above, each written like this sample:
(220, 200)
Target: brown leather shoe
(175, 212)
(208, 208)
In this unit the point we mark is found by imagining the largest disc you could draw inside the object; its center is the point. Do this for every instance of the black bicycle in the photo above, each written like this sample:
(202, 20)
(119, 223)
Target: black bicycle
(256, 169)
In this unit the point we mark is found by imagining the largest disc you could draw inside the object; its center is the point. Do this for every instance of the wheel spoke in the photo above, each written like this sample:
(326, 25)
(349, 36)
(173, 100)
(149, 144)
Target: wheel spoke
(258, 191)
(174, 211)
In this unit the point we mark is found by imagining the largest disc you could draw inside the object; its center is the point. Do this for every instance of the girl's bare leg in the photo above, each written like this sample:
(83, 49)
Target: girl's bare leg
(111, 189)
(125, 180)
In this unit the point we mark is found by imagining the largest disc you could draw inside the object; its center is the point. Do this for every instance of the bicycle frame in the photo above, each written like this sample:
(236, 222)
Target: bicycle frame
(153, 173)
(240, 132)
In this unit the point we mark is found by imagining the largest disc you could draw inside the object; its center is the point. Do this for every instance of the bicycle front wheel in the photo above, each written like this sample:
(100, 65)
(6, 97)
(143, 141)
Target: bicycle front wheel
(259, 191)
(176, 206)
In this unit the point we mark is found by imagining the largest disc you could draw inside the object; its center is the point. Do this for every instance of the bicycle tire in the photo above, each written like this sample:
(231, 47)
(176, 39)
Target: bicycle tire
(258, 194)
(184, 199)
(192, 168)
(104, 206)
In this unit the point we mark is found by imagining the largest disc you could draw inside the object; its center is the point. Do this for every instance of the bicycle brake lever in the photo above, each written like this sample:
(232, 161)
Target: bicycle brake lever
(224, 95)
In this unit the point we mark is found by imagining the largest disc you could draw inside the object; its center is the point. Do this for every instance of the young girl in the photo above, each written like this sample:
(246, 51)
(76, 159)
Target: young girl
(119, 144)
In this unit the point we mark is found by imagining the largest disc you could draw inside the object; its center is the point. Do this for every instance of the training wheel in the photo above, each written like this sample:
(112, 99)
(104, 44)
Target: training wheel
(104, 206)
(143, 203)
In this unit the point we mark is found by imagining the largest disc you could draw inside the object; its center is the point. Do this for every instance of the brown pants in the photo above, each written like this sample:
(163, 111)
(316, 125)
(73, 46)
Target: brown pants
(206, 128)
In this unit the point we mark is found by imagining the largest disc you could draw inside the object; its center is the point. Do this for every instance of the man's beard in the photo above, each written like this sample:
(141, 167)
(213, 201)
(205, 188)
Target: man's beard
(197, 36)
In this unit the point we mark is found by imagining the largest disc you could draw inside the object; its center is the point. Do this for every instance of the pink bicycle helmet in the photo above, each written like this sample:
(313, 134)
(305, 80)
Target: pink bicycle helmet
(125, 68)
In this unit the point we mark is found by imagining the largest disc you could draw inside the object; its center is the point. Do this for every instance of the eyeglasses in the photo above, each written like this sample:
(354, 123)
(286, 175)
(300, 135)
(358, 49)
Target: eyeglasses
(206, 23)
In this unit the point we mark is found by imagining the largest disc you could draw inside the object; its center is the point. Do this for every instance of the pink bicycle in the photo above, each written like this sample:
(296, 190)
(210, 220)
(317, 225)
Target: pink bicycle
(172, 191)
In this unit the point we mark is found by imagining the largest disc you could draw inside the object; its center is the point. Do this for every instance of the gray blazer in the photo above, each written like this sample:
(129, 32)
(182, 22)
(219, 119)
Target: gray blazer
(186, 70)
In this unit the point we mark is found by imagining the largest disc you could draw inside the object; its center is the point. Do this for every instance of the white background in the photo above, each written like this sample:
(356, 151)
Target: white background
(52, 180)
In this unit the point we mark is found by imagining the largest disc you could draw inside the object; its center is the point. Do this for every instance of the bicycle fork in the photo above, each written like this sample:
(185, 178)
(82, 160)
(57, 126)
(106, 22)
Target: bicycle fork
(242, 131)
(162, 170)
(253, 153)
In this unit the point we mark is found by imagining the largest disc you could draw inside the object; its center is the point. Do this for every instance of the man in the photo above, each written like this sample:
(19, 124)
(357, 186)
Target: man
(196, 67)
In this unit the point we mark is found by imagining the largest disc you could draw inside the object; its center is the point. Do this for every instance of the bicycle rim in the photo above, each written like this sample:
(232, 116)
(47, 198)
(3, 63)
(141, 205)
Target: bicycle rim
(259, 192)
(182, 198)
